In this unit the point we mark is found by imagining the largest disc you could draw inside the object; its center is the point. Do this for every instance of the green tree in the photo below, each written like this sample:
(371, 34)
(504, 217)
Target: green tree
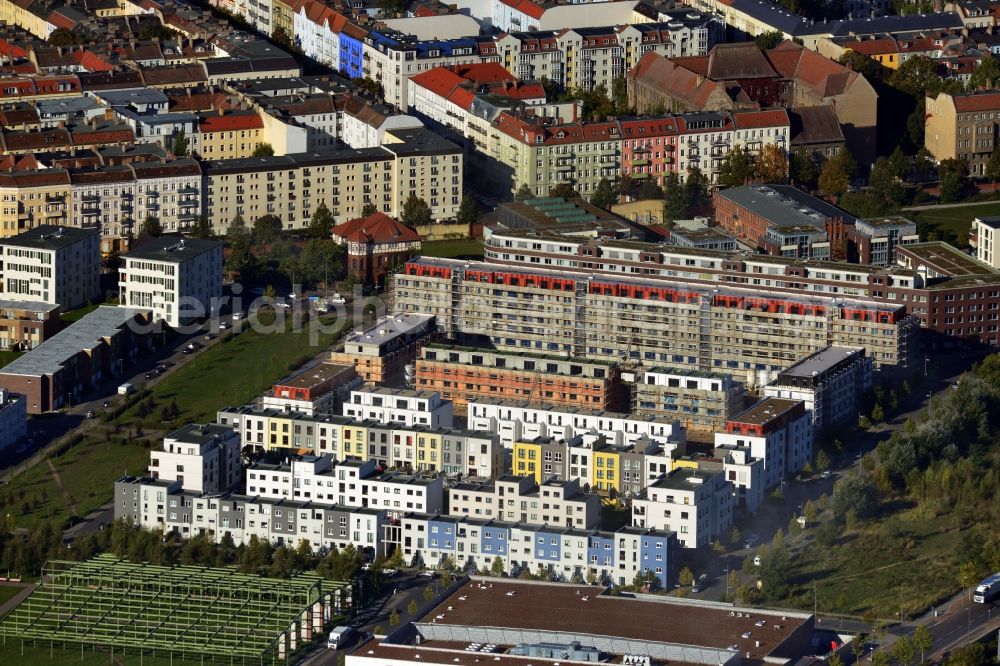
(394, 618)
(768, 40)
(237, 228)
(973, 654)
(880, 659)
(809, 511)
(180, 144)
(771, 164)
(878, 414)
(735, 169)
(954, 178)
(773, 572)
(619, 96)
(835, 177)
(468, 211)
(263, 150)
(266, 229)
(648, 189)
(915, 127)
(852, 494)
(864, 65)
(993, 166)
(834, 660)
(524, 193)
(923, 640)
(803, 169)
(605, 194)
(884, 183)
(968, 575)
(428, 593)
(822, 461)
(416, 212)
(202, 228)
(628, 187)
(497, 567)
(986, 75)
(917, 76)
(63, 37)
(696, 187)
(903, 651)
(685, 577)
(151, 227)
(412, 607)
(280, 36)
(321, 222)
(675, 205)
(565, 191)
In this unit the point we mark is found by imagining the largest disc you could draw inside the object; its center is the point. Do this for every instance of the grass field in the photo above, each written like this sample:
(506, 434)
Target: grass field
(9, 592)
(951, 224)
(234, 371)
(465, 248)
(6, 356)
(873, 567)
(39, 652)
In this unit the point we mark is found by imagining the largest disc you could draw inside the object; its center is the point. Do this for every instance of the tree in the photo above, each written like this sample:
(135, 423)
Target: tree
(321, 222)
(968, 575)
(880, 659)
(884, 183)
(903, 651)
(773, 572)
(696, 187)
(675, 198)
(822, 460)
(468, 211)
(899, 163)
(428, 593)
(202, 228)
(648, 189)
(619, 96)
(685, 577)
(281, 37)
(809, 511)
(768, 40)
(858, 646)
(853, 495)
(834, 660)
(803, 169)
(368, 209)
(156, 31)
(497, 567)
(771, 164)
(864, 65)
(416, 212)
(63, 37)
(986, 75)
(263, 150)
(954, 176)
(993, 166)
(735, 169)
(973, 654)
(917, 76)
(878, 414)
(151, 227)
(923, 640)
(915, 125)
(835, 178)
(524, 193)
(394, 618)
(266, 229)
(628, 188)
(237, 228)
(565, 191)
(180, 148)
(604, 194)
(412, 607)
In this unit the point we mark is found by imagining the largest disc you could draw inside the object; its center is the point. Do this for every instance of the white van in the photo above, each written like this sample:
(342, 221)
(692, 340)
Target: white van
(126, 389)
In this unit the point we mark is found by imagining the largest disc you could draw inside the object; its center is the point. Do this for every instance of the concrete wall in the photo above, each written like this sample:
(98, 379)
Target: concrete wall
(432, 232)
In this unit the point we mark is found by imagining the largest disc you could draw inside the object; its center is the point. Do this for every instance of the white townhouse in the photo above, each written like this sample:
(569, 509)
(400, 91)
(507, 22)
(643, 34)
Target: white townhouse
(178, 278)
(203, 458)
(696, 504)
(50, 264)
(389, 405)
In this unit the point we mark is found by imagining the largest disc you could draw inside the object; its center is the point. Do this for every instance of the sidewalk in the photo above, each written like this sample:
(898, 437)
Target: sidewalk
(13, 602)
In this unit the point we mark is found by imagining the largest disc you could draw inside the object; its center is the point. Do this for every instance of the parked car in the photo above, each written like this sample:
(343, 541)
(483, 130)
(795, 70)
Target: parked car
(223, 325)
(338, 300)
(210, 336)
(91, 414)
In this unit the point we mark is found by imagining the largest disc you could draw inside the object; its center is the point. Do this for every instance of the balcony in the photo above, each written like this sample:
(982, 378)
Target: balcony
(91, 198)
(91, 211)
(188, 189)
(640, 162)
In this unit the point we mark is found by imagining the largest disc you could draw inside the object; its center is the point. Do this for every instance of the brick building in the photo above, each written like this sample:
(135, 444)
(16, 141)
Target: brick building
(26, 324)
(381, 353)
(375, 245)
(462, 374)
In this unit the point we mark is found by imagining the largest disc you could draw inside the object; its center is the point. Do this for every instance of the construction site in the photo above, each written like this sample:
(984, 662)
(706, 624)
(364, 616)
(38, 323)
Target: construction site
(192, 613)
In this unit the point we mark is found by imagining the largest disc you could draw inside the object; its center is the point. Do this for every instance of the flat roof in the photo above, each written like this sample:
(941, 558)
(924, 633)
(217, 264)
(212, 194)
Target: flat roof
(583, 610)
(519, 354)
(821, 361)
(398, 392)
(389, 327)
(991, 222)
(172, 249)
(50, 237)
(784, 205)
(197, 433)
(765, 410)
(48, 358)
(684, 478)
(34, 306)
(317, 374)
(945, 258)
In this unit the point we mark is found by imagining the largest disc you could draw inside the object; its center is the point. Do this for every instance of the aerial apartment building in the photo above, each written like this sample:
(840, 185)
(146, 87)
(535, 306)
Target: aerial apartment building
(597, 465)
(30, 198)
(27, 324)
(13, 418)
(698, 400)
(382, 352)
(517, 420)
(696, 504)
(179, 279)
(873, 241)
(831, 384)
(464, 374)
(984, 237)
(674, 321)
(388, 405)
(49, 264)
(417, 448)
(963, 127)
(317, 389)
(776, 430)
(521, 499)
(202, 458)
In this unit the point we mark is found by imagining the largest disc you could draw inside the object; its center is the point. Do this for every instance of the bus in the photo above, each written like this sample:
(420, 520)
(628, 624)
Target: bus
(987, 590)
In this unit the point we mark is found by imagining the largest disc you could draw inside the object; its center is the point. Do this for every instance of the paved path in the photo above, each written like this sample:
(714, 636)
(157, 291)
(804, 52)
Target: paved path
(59, 484)
(12, 603)
(964, 204)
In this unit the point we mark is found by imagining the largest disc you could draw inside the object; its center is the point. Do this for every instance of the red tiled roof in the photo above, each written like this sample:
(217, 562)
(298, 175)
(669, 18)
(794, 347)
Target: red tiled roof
(985, 101)
(526, 7)
(102, 136)
(231, 122)
(376, 228)
(92, 62)
(756, 119)
(60, 20)
(12, 50)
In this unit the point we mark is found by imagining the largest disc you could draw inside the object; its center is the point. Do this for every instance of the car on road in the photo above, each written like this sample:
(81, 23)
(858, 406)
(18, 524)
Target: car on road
(389, 573)
(826, 474)
(338, 300)
(186, 351)
(210, 336)
(750, 541)
(429, 574)
(91, 414)
(282, 304)
(223, 325)
(193, 346)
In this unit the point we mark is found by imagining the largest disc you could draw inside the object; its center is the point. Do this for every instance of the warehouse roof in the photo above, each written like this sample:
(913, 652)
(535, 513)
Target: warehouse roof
(49, 237)
(784, 205)
(173, 249)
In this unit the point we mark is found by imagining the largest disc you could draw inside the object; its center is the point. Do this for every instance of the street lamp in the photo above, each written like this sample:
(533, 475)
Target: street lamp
(925, 364)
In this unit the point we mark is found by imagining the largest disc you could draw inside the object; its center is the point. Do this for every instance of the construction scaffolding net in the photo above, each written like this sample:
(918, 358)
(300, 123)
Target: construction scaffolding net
(187, 610)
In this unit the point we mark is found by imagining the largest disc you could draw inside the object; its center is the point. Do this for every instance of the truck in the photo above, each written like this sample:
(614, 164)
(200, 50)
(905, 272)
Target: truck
(340, 637)
(987, 590)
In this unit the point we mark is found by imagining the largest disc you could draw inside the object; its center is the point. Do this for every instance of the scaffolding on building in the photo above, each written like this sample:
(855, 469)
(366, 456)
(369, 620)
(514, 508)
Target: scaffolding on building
(191, 611)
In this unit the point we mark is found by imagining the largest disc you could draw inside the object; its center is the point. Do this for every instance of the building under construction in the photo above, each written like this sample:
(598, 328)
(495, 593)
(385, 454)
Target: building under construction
(650, 321)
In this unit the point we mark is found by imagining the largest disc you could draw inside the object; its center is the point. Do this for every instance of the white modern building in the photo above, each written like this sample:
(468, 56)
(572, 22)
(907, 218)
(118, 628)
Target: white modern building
(50, 264)
(831, 384)
(352, 483)
(696, 504)
(13, 418)
(517, 421)
(775, 430)
(388, 405)
(203, 458)
(746, 473)
(521, 499)
(178, 278)
(984, 236)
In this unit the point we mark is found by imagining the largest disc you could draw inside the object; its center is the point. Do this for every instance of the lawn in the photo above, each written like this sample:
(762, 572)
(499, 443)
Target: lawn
(9, 592)
(238, 369)
(873, 567)
(464, 248)
(39, 652)
(6, 356)
(951, 224)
